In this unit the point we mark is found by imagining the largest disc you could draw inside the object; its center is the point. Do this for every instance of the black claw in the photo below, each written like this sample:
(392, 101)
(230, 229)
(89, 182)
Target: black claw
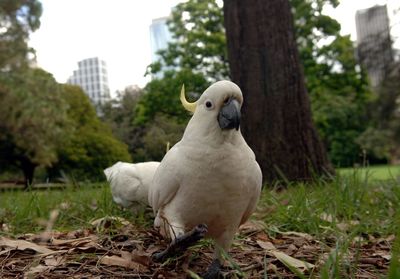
(213, 271)
(181, 243)
(199, 232)
(159, 257)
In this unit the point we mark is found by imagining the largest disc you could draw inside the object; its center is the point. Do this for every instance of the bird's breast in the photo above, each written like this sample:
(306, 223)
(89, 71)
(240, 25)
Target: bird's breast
(216, 193)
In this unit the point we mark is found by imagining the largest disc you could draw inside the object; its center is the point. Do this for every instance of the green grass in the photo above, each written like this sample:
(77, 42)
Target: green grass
(350, 208)
(319, 209)
(357, 204)
(29, 211)
(385, 172)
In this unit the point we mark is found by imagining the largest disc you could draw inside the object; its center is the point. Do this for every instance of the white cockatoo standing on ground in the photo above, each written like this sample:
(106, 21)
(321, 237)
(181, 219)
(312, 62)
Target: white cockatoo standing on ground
(209, 182)
(130, 183)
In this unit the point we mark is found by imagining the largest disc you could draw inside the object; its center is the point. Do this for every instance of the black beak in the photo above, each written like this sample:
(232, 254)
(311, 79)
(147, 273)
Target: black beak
(229, 115)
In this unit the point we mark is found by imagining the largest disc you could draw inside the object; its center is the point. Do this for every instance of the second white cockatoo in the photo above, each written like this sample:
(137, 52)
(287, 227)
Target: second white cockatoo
(209, 182)
(130, 183)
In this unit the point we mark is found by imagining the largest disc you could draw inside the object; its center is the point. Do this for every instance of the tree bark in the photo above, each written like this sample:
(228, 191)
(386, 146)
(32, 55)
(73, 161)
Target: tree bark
(276, 115)
(28, 169)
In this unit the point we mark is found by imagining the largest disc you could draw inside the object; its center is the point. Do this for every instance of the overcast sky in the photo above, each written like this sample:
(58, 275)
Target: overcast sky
(118, 32)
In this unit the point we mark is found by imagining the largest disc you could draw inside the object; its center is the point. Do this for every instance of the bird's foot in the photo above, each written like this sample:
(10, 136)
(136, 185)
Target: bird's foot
(160, 256)
(181, 243)
(188, 239)
(213, 271)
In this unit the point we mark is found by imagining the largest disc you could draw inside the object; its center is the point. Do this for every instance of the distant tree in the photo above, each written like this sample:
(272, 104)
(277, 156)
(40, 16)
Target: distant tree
(158, 135)
(337, 86)
(161, 96)
(32, 120)
(382, 139)
(334, 80)
(119, 115)
(199, 43)
(90, 146)
(264, 62)
(159, 116)
(17, 19)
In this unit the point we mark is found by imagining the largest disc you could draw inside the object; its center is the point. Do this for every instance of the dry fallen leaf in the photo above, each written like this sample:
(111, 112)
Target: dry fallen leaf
(385, 255)
(84, 241)
(106, 221)
(344, 226)
(287, 260)
(23, 245)
(141, 257)
(266, 245)
(304, 235)
(118, 261)
(251, 227)
(327, 217)
(54, 261)
(36, 269)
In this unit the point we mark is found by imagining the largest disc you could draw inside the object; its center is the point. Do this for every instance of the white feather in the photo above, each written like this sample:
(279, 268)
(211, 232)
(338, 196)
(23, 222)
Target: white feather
(130, 183)
(210, 176)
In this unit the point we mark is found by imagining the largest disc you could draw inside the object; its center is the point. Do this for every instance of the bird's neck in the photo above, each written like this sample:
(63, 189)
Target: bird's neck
(211, 135)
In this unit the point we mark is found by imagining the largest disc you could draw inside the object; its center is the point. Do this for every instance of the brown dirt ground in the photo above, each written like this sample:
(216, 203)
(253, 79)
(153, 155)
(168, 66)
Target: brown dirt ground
(126, 254)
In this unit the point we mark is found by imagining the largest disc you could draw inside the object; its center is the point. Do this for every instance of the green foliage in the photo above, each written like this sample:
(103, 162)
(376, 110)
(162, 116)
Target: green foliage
(90, 146)
(337, 86)
(161, 96)
(147, 120)
(119, 115)
(199, 42)
(160, 134)
(382, 139)
(32, 119)
(340, 120)
(17, 19)
(159, 115)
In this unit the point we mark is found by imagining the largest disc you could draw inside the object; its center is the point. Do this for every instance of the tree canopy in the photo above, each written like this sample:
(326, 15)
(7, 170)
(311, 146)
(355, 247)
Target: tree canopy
(199, 42)
(18, 18)
(90, 146)
(333, 76)
(33, 119)
(157, 117)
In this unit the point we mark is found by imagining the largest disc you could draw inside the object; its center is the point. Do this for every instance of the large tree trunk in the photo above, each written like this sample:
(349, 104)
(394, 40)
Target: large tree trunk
(264, 62)
(28, 169)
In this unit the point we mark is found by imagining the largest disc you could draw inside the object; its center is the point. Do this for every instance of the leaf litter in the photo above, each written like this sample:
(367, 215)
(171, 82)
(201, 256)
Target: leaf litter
(126, 252)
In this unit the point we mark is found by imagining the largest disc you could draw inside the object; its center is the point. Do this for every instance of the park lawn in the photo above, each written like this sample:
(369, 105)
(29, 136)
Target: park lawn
(77, 208)
(381, 172)
(346, 226)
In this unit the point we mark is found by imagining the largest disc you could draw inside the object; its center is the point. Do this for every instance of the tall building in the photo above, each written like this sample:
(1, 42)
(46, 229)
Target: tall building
(160, 36)
(92, 77)
(374, 45)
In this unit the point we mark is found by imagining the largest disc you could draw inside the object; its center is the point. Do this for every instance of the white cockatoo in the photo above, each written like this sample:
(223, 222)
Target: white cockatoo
(130, 183)
(209, 182)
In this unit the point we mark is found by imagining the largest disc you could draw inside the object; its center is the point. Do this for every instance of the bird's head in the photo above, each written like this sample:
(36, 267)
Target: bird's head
(220, 103)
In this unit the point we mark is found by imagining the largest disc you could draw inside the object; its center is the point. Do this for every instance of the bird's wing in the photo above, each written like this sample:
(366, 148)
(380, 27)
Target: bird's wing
(166, 179)
(255, 179)
(124, 183)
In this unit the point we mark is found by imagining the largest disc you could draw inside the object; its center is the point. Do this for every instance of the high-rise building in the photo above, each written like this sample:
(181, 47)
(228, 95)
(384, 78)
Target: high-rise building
(374, 45)
(160, 36)
(92, 77)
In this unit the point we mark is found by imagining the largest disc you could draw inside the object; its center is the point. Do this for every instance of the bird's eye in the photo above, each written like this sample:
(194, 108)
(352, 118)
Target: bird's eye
(209, 105)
